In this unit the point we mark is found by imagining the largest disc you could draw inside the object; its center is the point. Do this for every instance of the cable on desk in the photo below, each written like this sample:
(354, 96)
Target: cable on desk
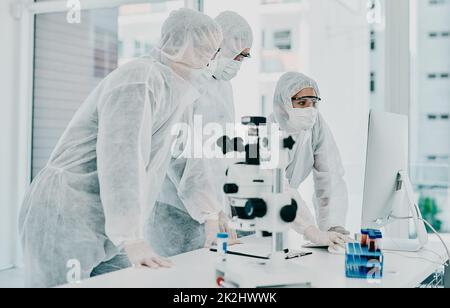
(432, 229)
(435, 253)
(411, 257)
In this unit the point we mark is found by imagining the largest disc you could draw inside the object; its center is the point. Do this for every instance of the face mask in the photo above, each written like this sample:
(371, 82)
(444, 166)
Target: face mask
(302, 118)
(225, 69)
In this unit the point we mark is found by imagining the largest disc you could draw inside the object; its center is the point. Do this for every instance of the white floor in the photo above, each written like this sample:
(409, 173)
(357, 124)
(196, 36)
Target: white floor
(13, 278)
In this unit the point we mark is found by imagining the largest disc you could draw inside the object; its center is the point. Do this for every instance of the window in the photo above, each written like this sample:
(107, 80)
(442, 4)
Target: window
(137, 49)
(429, 105)
(264, 104)
(71, 59)
(283, 39)
(430, 125)
(377, 55)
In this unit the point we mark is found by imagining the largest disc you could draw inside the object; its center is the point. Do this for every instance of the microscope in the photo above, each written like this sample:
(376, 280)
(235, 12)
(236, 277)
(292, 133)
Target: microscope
(256, 187)
(259, 197)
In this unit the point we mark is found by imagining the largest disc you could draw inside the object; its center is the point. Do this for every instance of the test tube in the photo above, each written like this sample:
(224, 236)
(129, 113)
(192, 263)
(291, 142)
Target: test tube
(222, 249)
(372, 242)
(364, 238)
(379, 237)
(222, 246)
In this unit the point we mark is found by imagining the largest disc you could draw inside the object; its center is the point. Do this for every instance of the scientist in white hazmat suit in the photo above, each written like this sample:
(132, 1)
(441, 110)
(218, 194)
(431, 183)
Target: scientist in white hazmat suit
(295, 110)
(191, 207)
(86, 209)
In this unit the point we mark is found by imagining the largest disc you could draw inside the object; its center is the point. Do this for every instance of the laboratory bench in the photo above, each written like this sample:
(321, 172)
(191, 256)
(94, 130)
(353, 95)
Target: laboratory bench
(196, 269)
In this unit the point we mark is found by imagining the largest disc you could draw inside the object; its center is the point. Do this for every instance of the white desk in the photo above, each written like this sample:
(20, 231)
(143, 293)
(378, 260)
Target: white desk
(196, 270)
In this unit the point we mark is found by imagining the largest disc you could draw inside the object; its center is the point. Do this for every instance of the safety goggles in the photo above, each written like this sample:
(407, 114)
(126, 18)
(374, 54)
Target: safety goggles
(243, 56)
(305, 100)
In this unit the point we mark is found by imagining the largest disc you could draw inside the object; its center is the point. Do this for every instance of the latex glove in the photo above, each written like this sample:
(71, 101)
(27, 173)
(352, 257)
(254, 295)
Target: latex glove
(141, 255)
(344, 232)
(211, 231)
(225, 228)
(331, 239)
(213, 227)
(340, 230)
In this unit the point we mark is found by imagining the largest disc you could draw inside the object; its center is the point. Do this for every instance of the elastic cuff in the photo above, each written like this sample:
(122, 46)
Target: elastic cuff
(308, 231)
(301, 228)
(211, 216)
(121, 243)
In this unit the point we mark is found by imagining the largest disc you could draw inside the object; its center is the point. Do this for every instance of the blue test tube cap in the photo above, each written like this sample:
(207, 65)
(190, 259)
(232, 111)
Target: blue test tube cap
(222, 235)
(372, 235)
(365, 232)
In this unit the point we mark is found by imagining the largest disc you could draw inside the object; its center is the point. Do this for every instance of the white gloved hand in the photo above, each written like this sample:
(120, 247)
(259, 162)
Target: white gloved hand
(225, 228)
(213, 227)
(344, 232)
(340, 230)
(211, 231)
(331, 239)
(141, 255)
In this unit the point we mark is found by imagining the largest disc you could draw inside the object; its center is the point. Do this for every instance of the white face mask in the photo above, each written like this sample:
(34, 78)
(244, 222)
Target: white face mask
(302, 119)
(225, 69)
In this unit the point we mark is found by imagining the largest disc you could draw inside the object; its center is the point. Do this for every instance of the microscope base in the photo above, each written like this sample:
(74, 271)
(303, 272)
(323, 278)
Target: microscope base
(264, 275)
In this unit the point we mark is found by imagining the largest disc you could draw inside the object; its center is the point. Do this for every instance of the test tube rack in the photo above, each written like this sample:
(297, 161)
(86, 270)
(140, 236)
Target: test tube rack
(363, 263)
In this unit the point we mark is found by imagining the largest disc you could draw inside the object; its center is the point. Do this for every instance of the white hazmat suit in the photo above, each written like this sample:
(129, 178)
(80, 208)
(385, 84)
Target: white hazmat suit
(193, 194)
(315, 152)
(108, 167)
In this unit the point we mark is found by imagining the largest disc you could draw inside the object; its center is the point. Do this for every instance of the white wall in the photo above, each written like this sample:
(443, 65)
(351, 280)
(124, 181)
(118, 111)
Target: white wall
(9, 38)
(247, 98)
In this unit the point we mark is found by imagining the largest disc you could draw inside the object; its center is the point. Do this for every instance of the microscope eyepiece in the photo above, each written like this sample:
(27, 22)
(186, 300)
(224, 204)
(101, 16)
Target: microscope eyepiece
(231, 189)
(257, 121)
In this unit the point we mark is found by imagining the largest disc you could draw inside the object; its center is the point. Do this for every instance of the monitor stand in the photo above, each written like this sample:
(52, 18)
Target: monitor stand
(405, 187)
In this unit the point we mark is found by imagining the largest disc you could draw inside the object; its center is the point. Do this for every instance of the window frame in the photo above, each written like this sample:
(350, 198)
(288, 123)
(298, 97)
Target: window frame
(26, 12)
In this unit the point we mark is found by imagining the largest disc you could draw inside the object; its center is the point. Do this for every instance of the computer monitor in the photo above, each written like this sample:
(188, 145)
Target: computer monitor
(387, 182)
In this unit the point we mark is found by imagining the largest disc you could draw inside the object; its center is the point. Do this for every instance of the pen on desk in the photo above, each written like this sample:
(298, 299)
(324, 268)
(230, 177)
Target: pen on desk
(241, 254)
(298, 255)
(288, 257)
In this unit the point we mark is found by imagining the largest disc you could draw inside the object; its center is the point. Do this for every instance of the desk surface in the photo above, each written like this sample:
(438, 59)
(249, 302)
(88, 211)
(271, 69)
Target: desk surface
(322, 269)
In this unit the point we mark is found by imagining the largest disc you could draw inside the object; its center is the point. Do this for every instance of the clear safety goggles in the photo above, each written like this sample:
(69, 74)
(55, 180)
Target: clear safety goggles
(305, 101)
(243, 56)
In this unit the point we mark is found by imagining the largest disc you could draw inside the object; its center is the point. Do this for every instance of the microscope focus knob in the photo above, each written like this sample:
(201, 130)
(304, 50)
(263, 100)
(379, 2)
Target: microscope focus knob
(289, 212)
(289, 143)
(256, 208)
